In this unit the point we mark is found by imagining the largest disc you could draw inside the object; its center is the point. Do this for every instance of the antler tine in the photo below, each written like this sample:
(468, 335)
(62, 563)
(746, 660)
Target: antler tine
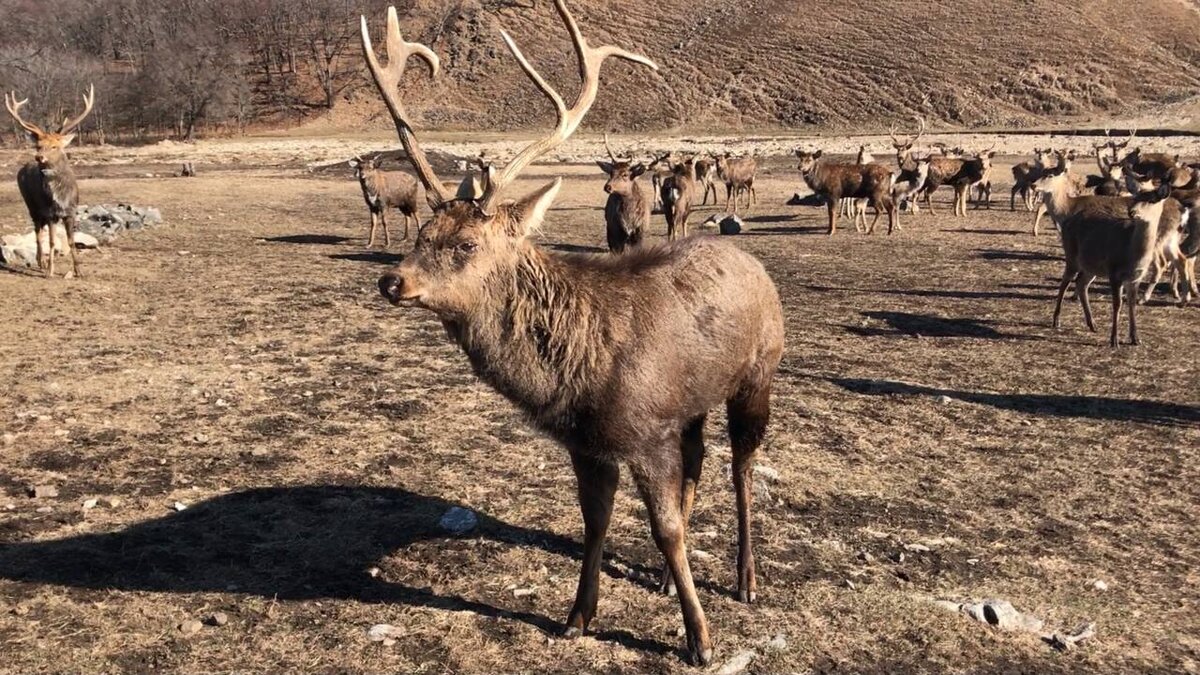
(920, 129)
(608, 148)
(387, 79)
(14, 109)
(892, 132)
(89, 99)
(590, 60)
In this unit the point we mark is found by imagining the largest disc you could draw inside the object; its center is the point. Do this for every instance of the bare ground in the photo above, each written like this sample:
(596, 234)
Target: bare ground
(240, 362)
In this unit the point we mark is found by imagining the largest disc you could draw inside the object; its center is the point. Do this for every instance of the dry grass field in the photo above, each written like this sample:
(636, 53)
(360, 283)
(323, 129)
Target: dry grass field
(240, 362)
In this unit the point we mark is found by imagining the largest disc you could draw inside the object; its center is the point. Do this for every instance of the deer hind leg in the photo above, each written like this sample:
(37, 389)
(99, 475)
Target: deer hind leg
(893, 214)
(749, 413)
(374, 224)
(69, 224)
(692, 451)
(39, 234)
(1118, 296)
(597, 483)
(1189, 279)
(50, 249)
(1131, 293)
(832, 217)
(387, 237)
(660, 487)
(1069, 274)
(1037, 218)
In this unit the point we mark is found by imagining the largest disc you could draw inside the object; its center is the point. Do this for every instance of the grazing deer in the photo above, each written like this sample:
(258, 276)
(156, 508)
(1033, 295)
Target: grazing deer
(835, 181)
(678, 193)
(383, 190)
(706, 175)
(738, 174)
(1025, 174)
(618, 357)
(1114, 237)
(47, 184)
(627, 211)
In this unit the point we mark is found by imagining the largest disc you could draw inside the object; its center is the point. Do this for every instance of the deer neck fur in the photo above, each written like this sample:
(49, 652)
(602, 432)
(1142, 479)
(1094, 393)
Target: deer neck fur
(541, 335)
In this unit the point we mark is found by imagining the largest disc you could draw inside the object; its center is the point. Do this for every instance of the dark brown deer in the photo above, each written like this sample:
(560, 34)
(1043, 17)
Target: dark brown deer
(383, 190)
(627, 211)
(960, 173)
(1024, 176)
(678, 193)
(618, 357)
(659, 168)
(909, 171)
(738, 174)
(1113, 237)
(836, 181)
(48, 184)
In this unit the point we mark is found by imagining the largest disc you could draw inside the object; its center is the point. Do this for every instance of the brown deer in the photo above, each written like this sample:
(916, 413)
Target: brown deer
(857, 208)
(1110, 182)
(738, 174)
(1114, 237)
(383, 190)
(48, 184)
(1025, 174)
(706, 175)
(908, 166)
(627, 211)
(678, 193)
(961, 173)
(836, 181)
(1113, 147)
(659, 167)
(618, 357)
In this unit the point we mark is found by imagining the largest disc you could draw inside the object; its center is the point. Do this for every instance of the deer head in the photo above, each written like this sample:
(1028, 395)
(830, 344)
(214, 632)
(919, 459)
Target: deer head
(808, 161)
(50, 146)
(472, 237)
(621, 173)
(903, 148)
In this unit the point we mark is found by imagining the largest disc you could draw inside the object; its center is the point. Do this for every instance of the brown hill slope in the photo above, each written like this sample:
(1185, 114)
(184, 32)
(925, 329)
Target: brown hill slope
(768, 63)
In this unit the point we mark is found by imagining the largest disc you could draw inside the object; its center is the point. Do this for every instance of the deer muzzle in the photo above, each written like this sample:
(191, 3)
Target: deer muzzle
(391, 286)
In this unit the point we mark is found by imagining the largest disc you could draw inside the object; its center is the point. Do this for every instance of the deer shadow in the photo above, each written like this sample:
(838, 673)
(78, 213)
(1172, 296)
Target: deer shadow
(967, 230)
(924, 325)
(934, 293)
(292, 543)
(377, 257)
(997, 254)
(764, 231)
(1158, 413)
(317, 239)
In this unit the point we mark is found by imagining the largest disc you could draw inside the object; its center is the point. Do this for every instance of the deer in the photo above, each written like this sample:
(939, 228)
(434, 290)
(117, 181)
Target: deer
(1110, 182)
(1024, 175)
(48, 184)
(678, 191)
(619, 358)
(1074, 187)
(738, 174)
(627, 211)
(856, 208)
(706, 175)
(383, 190)
(659, 168)
(1168, 252)
(907, 165)
(1113, 147)
(835, 181)
(1116, 237)
(961, 174)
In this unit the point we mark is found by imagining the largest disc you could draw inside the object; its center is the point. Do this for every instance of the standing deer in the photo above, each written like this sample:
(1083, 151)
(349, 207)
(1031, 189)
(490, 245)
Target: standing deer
(961, 174)
(627, 211)
(659, 168)
(738, 174)
(48, 184)
(857, 208)
(678, 193)
(383, 190)
(706, 175)
(907, 165)
(835, 181)
(620, 358)
(1024, 176)
(1114, 237)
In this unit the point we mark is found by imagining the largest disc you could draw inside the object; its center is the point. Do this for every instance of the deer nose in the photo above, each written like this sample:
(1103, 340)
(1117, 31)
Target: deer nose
(391, 286)
(608, 188)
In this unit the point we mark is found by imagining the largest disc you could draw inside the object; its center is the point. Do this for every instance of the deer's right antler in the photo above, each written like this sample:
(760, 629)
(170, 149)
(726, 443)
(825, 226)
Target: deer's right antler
(590, 60)
(14, 109)
(70, 124)
(387, 79)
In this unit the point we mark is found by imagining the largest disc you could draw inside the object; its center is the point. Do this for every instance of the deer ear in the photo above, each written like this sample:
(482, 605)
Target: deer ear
(469, 188)
(606, 167)
(637, 170)
(817, 154)
(527, 214)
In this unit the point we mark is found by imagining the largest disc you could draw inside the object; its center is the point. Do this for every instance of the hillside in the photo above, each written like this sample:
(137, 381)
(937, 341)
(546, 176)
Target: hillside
(794, 63)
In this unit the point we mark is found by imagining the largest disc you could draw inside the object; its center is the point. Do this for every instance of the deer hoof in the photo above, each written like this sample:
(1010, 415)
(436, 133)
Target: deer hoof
(747, 597)
(572, 632)
(700, 656)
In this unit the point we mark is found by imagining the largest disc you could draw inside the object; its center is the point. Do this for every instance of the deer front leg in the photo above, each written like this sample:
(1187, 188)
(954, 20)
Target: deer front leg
(387, 237)
(69, 223)
(597, 483)
(39, 234)
(692, 451)
(832, 216)
(659, 485)
(50, 250)
(374, 223)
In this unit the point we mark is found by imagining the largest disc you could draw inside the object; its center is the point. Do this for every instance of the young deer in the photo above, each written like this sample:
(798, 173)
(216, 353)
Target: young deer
(48, 184)
(383, 190)
(618, 357)
(706, 175)
(835, 181)
(738, 174)
(1105, 236)
(627, 211)
(678, 193)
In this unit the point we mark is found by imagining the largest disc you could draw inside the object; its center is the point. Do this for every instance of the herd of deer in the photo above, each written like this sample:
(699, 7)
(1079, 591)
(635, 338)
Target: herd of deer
(621, 357)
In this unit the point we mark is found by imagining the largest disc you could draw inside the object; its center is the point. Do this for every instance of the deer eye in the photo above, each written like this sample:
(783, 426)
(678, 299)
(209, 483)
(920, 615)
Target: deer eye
(466, 247)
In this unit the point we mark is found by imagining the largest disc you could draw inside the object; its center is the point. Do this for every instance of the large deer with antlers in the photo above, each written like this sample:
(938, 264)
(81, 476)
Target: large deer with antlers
(839, 180)
(627, 211)
(618, 357)
(48, 184)
(910, 172)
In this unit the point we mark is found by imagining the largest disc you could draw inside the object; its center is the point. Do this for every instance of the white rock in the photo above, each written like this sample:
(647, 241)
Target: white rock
(382, 632)
(458, 520)
(766, 472)
(777, 643)
(523, 592)
(738, 663)
(179, 506)
(1100, 585)
(90, 503)
(943, 399)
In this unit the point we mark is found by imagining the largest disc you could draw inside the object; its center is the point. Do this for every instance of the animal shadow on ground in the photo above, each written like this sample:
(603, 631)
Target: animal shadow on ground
(760, 231)
(966, 230)
(997, 254)
(326, 239)
(1090, 407)
(903, 323)
(377, 257)
(294, 543)
(937, 293)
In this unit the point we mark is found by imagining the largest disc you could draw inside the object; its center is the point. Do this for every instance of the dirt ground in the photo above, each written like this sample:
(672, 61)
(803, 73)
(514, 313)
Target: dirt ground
(239, 361)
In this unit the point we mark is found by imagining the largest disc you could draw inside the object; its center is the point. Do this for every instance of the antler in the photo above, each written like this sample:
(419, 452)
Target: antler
(14, 109)
(609, 149)
(387, 79)
(590, 60)
(896, 143)
(69, 125)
